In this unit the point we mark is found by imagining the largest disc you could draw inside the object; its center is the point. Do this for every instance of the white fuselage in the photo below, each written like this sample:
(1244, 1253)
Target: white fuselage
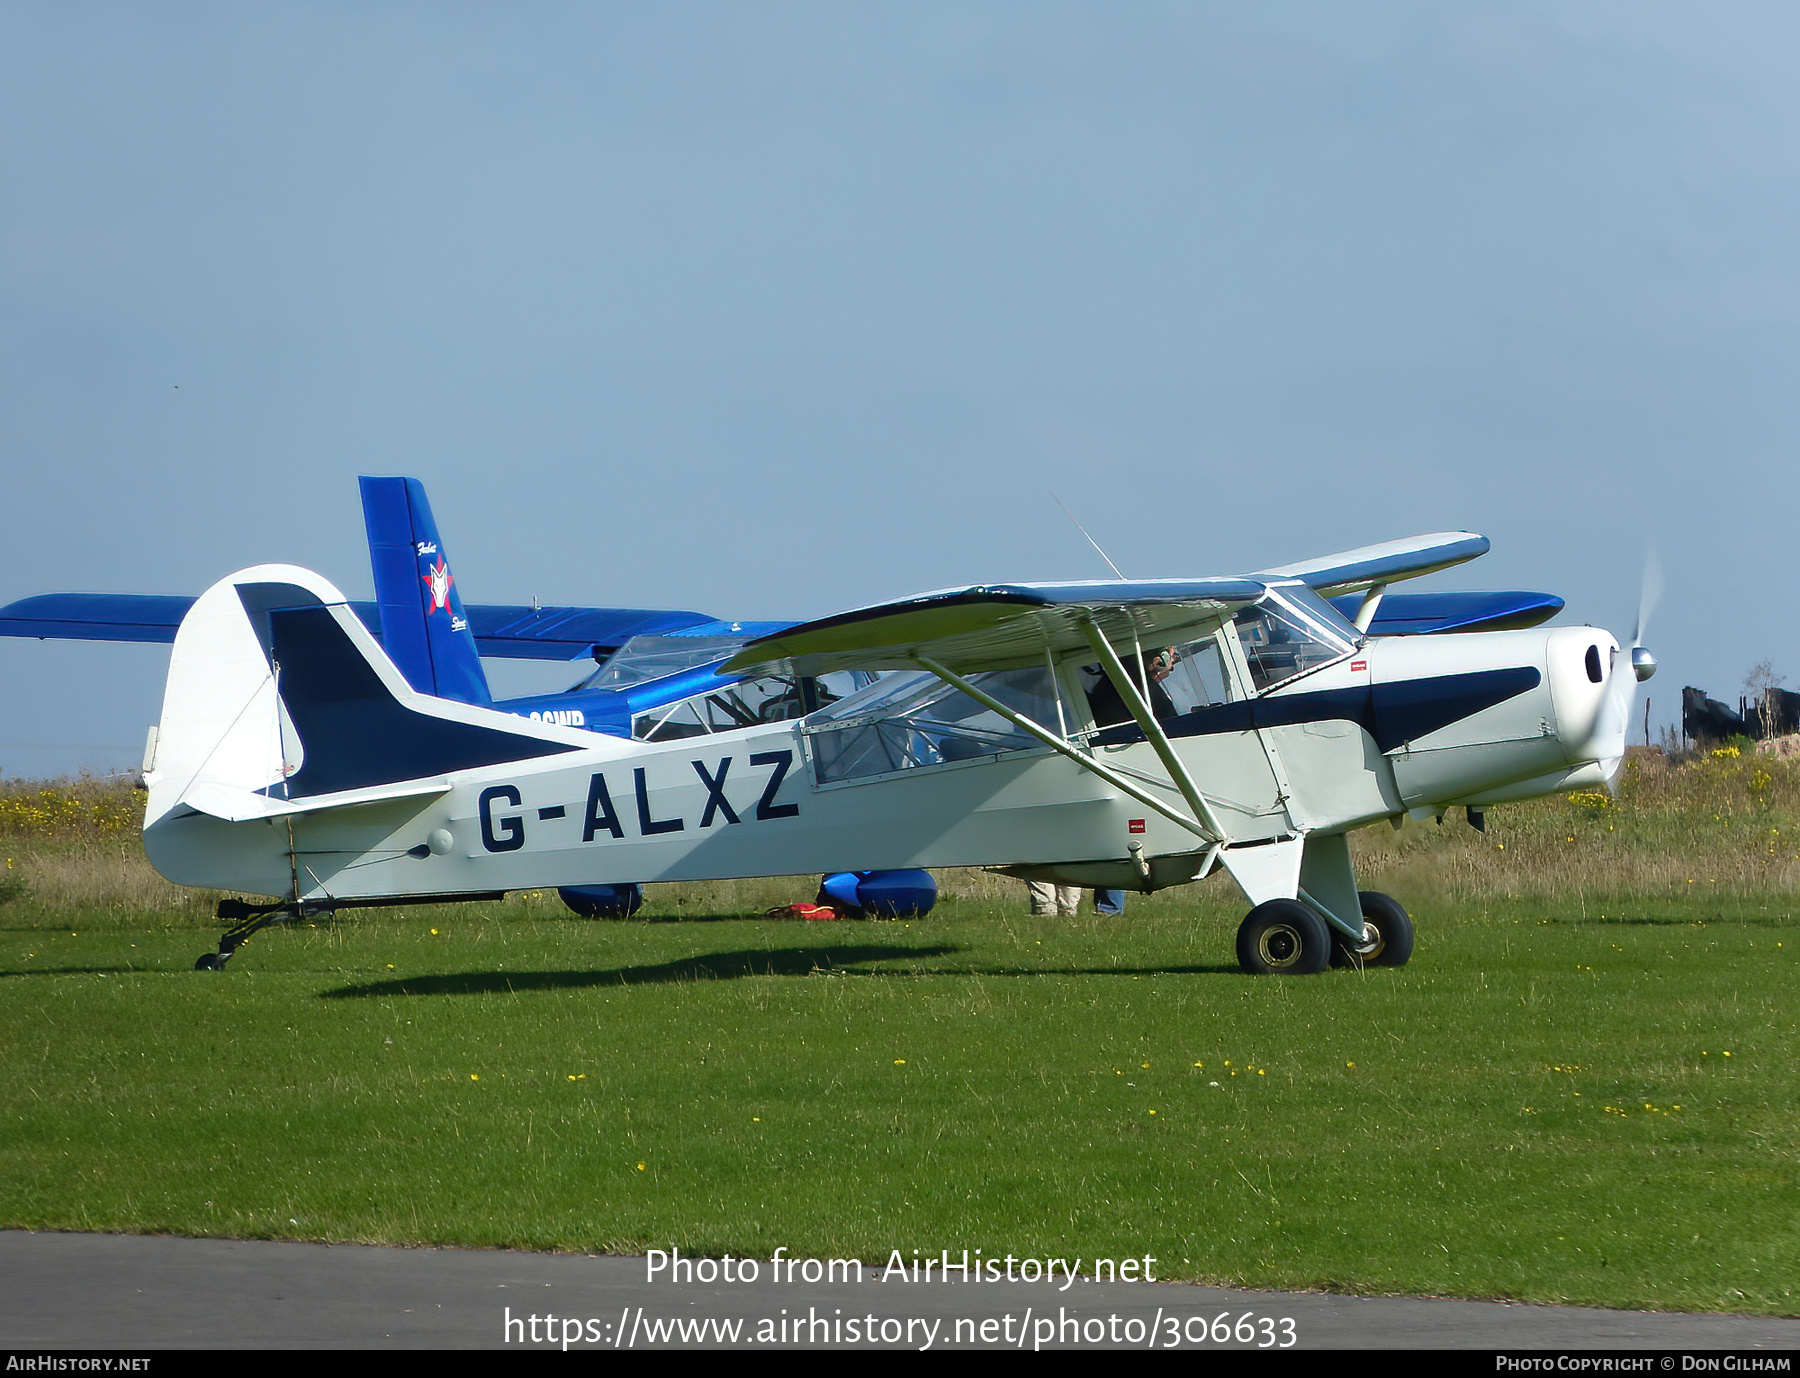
(1367, 744)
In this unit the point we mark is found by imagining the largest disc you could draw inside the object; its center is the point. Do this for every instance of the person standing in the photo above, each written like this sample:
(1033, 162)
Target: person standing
(1049, 898)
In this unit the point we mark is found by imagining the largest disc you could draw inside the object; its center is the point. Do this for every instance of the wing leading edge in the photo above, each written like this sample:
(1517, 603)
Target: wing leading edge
(1351, 571)
(997, 626)
(992, 626)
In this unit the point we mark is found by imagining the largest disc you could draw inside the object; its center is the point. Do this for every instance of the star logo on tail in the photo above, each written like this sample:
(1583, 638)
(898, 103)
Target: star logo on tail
(438, 580)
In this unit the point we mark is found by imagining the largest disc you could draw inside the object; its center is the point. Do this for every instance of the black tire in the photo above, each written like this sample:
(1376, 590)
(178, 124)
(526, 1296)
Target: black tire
(1283, 938)
(1393, 943)
(210, 961)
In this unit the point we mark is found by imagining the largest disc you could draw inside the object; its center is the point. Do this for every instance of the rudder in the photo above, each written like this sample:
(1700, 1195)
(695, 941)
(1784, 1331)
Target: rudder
(423, 627)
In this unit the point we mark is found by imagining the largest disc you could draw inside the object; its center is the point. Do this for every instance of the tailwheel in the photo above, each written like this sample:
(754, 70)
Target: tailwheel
(250, 918)
(1283, 938)
(1387, 935)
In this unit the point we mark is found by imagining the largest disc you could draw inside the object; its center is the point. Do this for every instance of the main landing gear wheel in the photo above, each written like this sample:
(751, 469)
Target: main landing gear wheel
(1283, 938)
(1388, 932)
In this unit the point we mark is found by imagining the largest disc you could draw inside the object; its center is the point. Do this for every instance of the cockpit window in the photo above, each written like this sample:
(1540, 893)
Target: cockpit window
(1282, 639)
(909, 720)
(772, 698)
(1198, 679)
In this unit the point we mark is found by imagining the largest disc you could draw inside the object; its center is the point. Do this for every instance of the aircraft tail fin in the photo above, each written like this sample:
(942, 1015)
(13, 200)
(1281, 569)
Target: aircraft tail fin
(423, 625)
(277, 693)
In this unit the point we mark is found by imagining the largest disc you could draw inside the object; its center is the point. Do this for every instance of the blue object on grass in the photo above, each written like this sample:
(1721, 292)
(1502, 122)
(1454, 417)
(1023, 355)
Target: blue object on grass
(603, 901)
(881, 894)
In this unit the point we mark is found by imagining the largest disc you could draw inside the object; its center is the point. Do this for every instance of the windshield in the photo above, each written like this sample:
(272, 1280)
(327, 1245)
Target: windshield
(1290, 633)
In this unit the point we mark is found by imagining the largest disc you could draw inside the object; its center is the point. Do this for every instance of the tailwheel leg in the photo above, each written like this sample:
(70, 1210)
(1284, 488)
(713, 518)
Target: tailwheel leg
(250, 917)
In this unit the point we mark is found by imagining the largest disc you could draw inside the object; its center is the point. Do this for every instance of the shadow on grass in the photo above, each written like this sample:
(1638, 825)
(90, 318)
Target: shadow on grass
(81, 971)
(694, 916)
(729, 966)
(1674, 921)
(717, 966)
(697, 916)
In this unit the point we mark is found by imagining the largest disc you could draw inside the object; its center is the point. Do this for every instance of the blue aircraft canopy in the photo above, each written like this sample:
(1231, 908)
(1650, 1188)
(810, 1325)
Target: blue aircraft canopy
(646, 658)
(519, 632)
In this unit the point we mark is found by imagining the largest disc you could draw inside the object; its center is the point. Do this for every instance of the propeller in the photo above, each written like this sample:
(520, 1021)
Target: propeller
(1621, 689)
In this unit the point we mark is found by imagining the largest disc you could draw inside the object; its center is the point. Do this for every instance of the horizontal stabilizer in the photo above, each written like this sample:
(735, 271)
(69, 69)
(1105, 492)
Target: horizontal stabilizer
(1350, 571)
(997, 626)
(242, 805)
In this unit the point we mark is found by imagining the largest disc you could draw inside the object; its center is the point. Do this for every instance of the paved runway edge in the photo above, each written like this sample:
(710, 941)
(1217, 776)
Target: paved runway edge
(133, 1292)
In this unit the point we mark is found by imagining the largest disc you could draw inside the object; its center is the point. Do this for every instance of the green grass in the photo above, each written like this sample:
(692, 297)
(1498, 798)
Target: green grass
(1564, 1098)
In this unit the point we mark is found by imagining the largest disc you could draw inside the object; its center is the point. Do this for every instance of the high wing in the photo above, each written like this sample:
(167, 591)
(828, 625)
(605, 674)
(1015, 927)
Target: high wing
(1005, 626)
(522, 632)
(511, 631)
(149, 617)
(1351, 571)
(998, 626)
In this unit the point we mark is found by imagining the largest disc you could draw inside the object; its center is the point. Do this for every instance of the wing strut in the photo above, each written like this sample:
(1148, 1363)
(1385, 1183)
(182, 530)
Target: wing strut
(1087, 763)
(1366, 610)
(1153, 730)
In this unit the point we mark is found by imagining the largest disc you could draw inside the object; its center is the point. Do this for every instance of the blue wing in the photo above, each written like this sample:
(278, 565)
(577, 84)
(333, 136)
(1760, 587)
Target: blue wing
(509, 631)
(1419, 614)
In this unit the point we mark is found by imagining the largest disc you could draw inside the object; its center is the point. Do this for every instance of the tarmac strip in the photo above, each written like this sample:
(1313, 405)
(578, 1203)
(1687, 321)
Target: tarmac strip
(132, 1292)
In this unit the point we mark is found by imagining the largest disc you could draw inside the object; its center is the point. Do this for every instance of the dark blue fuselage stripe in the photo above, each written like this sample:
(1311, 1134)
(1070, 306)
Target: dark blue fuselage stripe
(1393, 714)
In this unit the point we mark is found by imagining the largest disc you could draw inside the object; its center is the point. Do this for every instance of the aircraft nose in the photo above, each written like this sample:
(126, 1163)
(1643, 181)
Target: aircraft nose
(1588, 684)
(1643, 664)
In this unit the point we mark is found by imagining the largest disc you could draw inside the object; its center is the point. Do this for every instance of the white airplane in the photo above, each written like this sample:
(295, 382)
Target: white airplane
(293, 760)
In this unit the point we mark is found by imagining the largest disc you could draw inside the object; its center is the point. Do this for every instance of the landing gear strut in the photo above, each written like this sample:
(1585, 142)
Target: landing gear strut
(250, 917)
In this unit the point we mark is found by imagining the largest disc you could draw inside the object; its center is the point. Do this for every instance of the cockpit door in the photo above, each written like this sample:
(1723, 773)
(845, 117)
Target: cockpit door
(1211, 733)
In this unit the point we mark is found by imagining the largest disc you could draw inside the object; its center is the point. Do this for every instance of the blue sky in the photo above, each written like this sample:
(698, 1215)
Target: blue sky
(773, 309)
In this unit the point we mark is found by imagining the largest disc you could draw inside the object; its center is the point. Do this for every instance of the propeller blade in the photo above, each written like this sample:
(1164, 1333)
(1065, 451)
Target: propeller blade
(1630, 665)
(1650, 592)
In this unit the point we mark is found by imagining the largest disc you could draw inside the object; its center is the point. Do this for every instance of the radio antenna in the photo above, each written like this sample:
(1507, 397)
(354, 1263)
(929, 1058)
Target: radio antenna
(1117, 573)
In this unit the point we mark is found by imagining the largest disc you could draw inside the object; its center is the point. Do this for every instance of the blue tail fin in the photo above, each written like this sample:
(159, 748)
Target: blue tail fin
(423, 628)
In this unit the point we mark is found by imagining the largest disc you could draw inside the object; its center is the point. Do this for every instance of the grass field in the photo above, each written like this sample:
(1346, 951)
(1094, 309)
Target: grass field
(1582, 1089)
